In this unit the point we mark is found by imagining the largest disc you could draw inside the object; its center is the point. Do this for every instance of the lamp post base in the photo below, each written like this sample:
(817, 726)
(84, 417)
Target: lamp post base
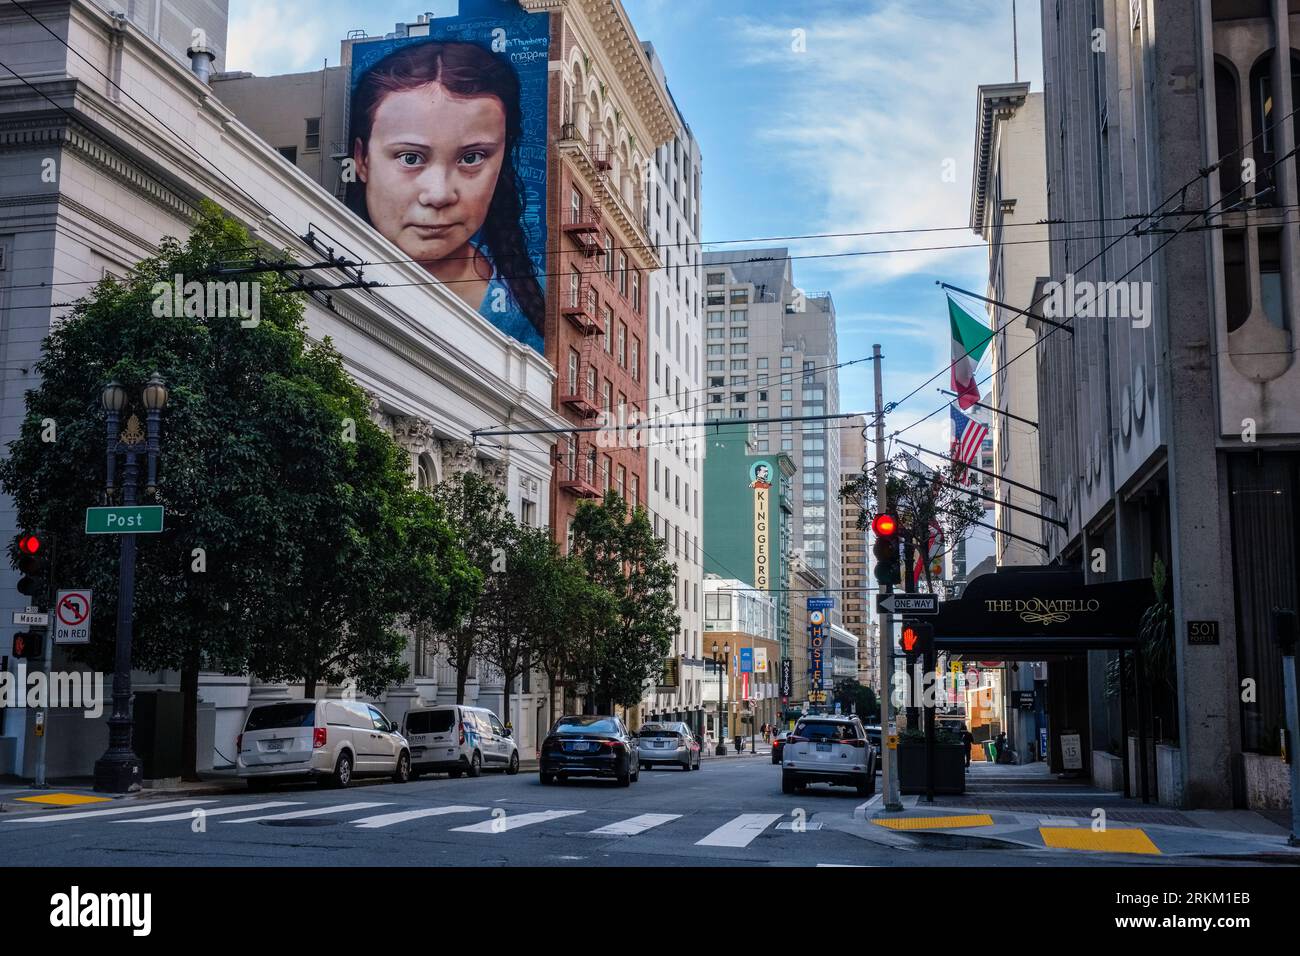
(720, 750)
(118, 773)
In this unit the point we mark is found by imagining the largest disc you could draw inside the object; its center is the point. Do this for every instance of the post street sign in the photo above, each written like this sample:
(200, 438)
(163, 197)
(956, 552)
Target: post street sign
(125, 519)
(907, 604)
(32, 618)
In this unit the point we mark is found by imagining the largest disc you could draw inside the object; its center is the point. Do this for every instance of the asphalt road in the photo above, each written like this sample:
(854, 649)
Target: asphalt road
(730, 813)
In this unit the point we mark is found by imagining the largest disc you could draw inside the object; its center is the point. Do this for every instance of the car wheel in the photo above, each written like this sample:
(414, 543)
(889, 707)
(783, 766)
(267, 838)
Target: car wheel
(625, 775)
(636, 776)
(514, 764)
(697, 761)
(343, 771)
(403, 772)
(475, 765)
(547, 779)
(788, 783)
(867, 785)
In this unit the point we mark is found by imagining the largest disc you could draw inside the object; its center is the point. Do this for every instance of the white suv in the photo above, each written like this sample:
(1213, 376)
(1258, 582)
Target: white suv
(329, 740)
(828, 749)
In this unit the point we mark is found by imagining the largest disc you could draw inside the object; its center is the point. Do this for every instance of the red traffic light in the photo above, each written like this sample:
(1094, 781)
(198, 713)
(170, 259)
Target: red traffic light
(29, 544)
(910, 639)
(884, 525)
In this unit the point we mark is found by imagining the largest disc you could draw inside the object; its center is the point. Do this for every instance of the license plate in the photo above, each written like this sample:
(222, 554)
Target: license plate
(417, 751)
(660, 743)
(823, 748)
(275, 745)
(581, 745)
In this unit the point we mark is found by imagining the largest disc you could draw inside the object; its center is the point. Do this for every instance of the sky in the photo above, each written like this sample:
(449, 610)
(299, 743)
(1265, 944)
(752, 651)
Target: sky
(815, 117)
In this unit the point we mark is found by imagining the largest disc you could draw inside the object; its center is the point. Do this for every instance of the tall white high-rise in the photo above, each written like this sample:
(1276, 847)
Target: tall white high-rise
(675, 330)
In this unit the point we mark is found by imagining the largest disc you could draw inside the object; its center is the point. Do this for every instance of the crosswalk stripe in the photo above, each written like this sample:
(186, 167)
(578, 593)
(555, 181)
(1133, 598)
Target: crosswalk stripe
(388, 819)
(509, 822)
(111, 811)
(740, 832)
(313, 812)
(637, 824)
(215, 812)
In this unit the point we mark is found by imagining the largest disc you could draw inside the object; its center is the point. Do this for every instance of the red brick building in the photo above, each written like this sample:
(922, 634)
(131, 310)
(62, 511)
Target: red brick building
(607, 114)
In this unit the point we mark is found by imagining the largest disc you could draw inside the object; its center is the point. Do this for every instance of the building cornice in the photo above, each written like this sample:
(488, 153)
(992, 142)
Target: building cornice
(995, 101)
(617, 47)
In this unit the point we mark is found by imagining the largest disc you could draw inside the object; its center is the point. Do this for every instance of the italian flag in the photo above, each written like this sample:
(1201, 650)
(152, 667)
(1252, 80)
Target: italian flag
(970, 337)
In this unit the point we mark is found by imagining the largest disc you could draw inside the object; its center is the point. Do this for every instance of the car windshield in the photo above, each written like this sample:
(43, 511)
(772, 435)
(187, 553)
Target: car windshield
(586, 725)
(274, 716)
(826, 730)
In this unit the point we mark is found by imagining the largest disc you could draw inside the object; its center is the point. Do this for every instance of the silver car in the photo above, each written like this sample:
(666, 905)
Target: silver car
(667, 743)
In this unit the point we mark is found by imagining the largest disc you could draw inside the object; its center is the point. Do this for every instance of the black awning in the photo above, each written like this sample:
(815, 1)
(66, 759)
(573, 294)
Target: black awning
(1035, 613)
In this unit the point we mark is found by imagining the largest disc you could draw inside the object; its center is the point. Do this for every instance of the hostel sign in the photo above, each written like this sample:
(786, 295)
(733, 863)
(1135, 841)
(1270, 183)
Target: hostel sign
(816, 646)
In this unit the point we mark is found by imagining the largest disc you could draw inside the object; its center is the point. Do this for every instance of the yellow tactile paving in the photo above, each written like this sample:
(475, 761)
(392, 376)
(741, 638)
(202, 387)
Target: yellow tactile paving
(1106, 841)
(937, 823)
(64, 799)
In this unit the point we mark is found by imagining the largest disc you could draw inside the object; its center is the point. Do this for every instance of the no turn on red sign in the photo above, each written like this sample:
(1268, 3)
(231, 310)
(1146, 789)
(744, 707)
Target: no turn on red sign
(72, 617)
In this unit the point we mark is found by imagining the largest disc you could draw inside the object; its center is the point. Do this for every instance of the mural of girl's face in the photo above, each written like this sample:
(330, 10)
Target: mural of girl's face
(431, 168)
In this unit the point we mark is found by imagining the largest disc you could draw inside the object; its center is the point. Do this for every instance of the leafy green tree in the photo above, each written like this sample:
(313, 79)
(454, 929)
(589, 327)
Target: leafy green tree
(482, 525)
(579, 608)
(621, 554)
(920, 499)
(854, 697)
(279, 492)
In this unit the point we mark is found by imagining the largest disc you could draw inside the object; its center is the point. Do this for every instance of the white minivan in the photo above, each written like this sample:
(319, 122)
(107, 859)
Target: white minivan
(456, 739)
(329, 740)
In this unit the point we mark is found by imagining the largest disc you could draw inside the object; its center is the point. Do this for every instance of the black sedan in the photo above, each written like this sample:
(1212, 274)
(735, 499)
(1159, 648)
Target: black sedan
(589, 747)
(777, 743)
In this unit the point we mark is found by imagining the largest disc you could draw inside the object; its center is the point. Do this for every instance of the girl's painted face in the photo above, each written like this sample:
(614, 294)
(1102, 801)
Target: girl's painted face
(431, 168)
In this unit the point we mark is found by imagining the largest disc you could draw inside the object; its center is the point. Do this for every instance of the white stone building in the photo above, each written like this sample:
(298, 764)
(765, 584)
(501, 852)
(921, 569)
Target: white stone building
(435, 370)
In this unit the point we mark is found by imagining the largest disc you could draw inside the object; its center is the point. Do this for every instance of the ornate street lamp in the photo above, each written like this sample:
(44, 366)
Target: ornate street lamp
(721, 665)
(119, 769)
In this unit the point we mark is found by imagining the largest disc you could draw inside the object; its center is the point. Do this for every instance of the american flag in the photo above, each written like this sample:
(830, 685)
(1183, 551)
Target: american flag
(967, 437)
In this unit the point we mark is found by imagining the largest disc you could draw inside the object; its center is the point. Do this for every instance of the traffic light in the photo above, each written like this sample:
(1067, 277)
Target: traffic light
(35, 568)
(888, 568)
(29, 645)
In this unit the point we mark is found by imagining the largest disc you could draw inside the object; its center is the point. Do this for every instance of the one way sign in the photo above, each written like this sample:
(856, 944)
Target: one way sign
(907, 603)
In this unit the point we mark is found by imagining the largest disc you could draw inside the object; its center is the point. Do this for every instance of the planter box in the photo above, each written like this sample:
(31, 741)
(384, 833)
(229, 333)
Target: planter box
(949, 768)
(1107, 771)
(1169, 772)
(1268, 782)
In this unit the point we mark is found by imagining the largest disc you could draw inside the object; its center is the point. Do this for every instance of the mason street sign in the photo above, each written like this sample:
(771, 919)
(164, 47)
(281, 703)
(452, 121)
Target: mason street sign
(126, 519)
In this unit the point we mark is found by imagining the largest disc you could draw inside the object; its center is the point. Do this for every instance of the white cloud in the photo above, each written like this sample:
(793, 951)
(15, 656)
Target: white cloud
(873, 114)
(268, 38)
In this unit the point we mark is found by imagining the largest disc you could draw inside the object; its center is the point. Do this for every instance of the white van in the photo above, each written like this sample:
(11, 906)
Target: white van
(329, 740)
(456, 739)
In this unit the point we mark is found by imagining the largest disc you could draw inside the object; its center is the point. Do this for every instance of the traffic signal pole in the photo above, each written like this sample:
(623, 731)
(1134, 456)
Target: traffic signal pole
(888, 729)
(47, 664)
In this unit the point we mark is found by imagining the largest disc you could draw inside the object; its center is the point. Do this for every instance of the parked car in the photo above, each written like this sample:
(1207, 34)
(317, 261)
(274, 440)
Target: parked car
(670, 743)
(589, 747)
(329, 740)
(778, 742)
(458, 740)
(828, 749)
(873, 735)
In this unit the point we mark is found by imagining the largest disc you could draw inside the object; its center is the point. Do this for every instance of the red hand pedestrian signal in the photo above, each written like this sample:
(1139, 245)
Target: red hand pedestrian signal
(911, 640)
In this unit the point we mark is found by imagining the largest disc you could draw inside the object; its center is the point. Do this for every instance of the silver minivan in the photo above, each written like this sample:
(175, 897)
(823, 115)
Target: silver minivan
(329, 740)
(455, 739)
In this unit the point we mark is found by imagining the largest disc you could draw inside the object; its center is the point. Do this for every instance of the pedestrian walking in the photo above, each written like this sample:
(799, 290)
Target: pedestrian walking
(968, 741)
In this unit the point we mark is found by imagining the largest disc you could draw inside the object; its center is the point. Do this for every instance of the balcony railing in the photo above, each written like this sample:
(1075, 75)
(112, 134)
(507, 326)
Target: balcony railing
(581, 309)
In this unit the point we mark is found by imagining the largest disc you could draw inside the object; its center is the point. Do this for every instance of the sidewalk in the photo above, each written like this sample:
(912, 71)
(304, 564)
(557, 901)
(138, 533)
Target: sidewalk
(764, 750)
(1023, 806)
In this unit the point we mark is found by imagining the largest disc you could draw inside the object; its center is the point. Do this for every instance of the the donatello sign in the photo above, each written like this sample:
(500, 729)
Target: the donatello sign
(125, 519)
